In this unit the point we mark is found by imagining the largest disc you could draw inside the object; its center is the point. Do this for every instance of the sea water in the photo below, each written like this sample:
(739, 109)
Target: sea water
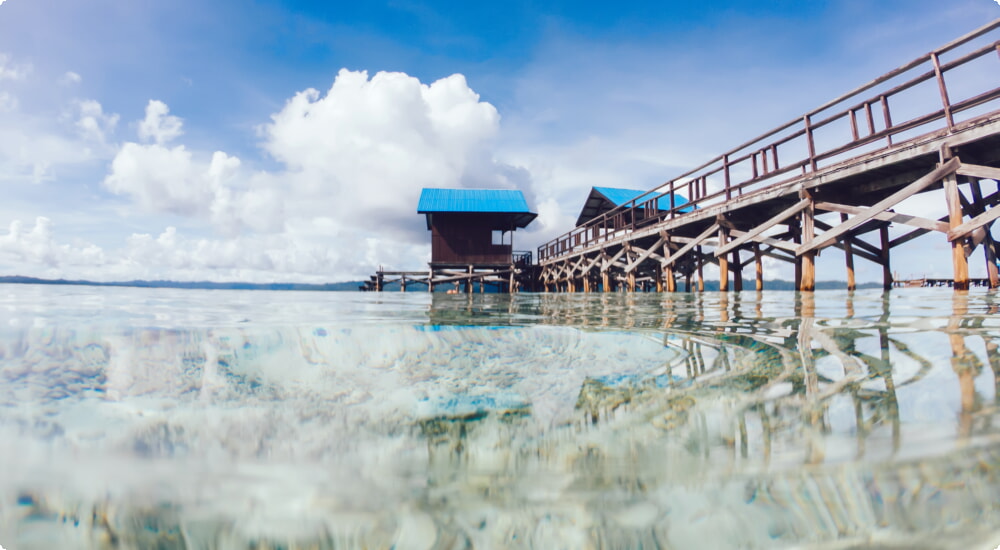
(155, 418)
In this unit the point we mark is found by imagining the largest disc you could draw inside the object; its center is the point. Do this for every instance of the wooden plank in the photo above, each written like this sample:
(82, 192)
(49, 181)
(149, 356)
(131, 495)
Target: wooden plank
(645, 254)
(964, 229)
(905, 219)
(934, 176)
(684, 249)
(782, 216)
(980, 172)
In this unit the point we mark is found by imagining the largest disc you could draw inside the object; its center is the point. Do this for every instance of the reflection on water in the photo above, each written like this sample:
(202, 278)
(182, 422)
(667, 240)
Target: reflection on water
(181, 419)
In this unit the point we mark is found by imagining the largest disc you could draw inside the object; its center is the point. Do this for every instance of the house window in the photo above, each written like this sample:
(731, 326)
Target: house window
(497, 237)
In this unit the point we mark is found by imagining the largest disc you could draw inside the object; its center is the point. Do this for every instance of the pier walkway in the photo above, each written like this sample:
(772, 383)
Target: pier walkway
(826, 179)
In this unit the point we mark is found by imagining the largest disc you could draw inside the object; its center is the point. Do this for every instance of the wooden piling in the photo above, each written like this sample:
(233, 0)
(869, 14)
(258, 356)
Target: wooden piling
(758, 266)
(701, 274)
(723, 262)
(883, 233)
(807, 282)
(959, 262)
(849, 258)
(737, 271)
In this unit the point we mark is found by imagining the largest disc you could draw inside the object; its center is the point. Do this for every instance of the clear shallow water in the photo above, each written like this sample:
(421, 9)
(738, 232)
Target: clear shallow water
(144, 418)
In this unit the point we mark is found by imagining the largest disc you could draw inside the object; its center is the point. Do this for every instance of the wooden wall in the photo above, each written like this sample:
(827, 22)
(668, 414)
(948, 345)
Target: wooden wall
(467, 238)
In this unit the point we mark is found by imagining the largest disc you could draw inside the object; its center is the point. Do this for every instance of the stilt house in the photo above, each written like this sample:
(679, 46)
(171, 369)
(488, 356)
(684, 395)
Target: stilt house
(473, 227)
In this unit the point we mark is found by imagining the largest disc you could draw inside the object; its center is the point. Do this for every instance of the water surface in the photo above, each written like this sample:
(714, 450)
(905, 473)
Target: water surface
(139, 418)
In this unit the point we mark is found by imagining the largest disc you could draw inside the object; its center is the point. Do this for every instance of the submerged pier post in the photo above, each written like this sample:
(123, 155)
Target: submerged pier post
(960, 263)
(807, 282)
(883, 233)
(758, 266)
(701, 274)
(848, 257)
(737, 271)
(723, 262)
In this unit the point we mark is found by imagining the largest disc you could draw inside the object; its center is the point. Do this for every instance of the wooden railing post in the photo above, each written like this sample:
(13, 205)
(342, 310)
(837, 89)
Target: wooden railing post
(725, 170)
(943, 89)
(810, 143)
(887, 118)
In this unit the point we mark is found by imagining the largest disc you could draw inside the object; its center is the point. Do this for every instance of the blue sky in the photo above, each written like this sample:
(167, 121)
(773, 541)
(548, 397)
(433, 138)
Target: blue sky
(181, 140)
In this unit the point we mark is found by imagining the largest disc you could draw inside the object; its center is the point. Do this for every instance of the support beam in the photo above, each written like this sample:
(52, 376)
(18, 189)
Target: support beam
(964, 229)
(939, 173)
(645, 254)
(988, 249)
(904, 219)
(751, 235)
(979, 172)
(696, 242)
(852, 238)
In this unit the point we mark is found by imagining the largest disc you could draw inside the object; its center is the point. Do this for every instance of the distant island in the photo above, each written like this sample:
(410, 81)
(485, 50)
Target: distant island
(355, 285)
(209, 285)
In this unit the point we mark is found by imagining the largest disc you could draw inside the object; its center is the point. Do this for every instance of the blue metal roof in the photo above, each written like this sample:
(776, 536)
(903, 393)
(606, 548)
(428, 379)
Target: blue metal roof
(506, 203)
(603, 199)
(472, 200)
(621, 196)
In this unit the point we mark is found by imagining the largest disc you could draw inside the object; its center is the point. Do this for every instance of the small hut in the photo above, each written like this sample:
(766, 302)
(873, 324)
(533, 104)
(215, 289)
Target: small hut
(473, 227)
(603, 199)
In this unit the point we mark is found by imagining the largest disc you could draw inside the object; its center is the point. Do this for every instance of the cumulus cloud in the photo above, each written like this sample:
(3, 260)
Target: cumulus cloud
(369, 145)
(159, 126)
(37, 246)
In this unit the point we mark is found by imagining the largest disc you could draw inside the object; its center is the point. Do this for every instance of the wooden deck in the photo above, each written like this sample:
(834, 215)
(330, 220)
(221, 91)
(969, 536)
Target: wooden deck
(824, 180)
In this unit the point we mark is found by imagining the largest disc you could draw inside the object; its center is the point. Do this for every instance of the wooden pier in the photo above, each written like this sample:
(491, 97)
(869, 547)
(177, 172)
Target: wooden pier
(511, 276)
(826, 179)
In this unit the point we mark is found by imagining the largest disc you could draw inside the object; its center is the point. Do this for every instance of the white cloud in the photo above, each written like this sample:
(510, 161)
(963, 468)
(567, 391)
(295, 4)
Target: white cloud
(8, 102)
(159, 126)
(173, 180)
(352, 163)
(365, 149)
(38, 248)
(93, 123)
(10, 71)
(69, 78)
(35, 147)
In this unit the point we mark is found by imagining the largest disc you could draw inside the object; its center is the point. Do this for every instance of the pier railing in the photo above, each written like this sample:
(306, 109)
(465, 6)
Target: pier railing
(946, 87)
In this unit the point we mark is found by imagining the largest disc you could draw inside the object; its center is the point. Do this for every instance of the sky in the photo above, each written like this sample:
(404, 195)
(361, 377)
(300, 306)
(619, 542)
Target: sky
(270, 141)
